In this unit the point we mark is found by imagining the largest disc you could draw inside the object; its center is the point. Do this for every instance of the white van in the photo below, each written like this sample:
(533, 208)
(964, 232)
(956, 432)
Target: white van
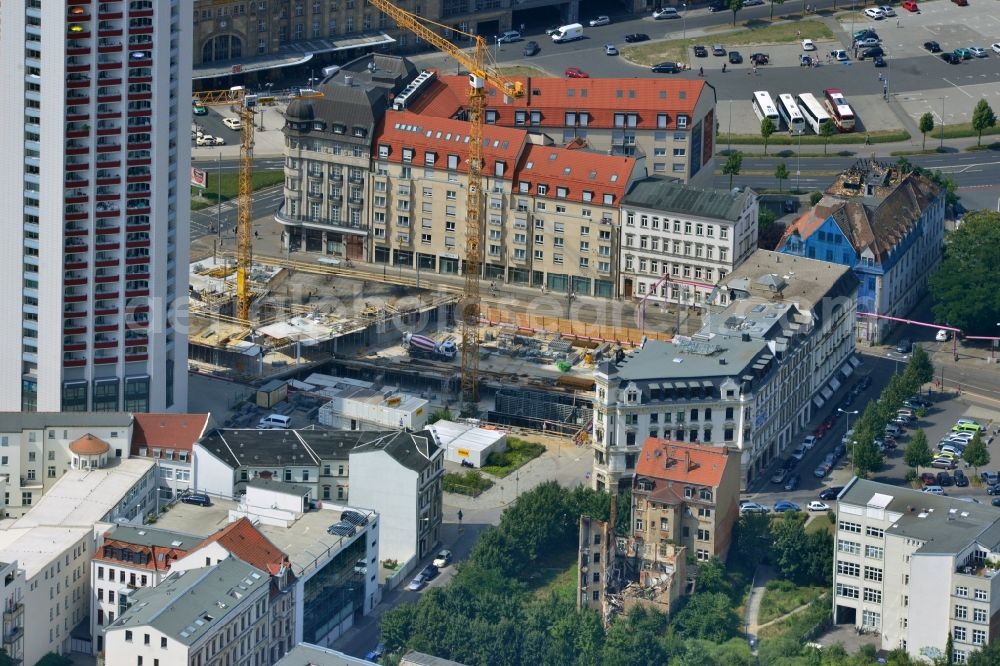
(274, 422)
(568, 33)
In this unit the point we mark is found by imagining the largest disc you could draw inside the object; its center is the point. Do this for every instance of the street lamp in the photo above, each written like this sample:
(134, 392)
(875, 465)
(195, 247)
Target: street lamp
(942, 126)
(684, 21)
(854, 442)
(496, 50)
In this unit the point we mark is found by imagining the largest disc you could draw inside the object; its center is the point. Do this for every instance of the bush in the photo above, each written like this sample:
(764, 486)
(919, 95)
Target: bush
(517, 454)
(814, 198)
(471, 483)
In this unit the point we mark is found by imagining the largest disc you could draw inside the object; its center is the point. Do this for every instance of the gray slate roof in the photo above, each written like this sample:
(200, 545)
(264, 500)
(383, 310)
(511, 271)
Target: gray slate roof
(16, 421)
(152, 536)
(668, 195)
(305, 654)
(412, 450)
(947, 524)
(187, 605)
(657, 360)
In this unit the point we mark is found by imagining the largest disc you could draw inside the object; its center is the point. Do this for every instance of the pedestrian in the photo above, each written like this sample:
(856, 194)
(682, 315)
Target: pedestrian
(897, 23)
(256, 234)
(723, 68)
(701, 71)
(755, 70)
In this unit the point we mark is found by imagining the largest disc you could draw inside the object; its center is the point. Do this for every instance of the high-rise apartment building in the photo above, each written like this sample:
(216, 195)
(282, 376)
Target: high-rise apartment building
(94, 266)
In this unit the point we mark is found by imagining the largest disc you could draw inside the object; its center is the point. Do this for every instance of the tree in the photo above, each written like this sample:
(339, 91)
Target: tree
(988, 656)
(443, 414)
(866, 456)
(752, 539)
(975, 453)
(709, 616)
(920, 368)
(780, 173)
(773, 3)
(966, 286)
(814, 198)
(949, 649)
(732, 166)
(734, 6)
(983, 118)
(765, 218)
(926, 125)
(918, 453)
(767, 128)
(826, 130)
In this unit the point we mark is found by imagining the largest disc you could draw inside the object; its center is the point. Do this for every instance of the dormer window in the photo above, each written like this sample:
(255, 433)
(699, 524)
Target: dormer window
(383, 152)
(340, 129)
(429, 158)
(561, 192)
(360, 132)
(688, 492)
(407, 154)
(705, 494)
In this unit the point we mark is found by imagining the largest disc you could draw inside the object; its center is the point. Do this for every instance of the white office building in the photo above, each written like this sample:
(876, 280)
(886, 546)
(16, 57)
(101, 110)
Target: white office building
(94, 201)
(915, 567)
(748, 380)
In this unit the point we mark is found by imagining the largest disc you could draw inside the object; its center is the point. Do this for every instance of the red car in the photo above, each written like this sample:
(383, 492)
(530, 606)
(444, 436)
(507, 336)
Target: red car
(928, 479)
(909, 5)
(576, 73)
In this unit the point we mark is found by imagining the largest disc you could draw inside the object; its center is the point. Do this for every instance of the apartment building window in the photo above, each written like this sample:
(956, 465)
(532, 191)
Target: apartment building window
(704, 535)
(846, 526)
(979, 615)
(871, 619)
(873, 552)
(961, 612)
(981, 595)
(978, 637)
(873, 573)
(873, 595)
(849, 591)
(961, 591)
(849, 547)
(960, 634)
(848, 569)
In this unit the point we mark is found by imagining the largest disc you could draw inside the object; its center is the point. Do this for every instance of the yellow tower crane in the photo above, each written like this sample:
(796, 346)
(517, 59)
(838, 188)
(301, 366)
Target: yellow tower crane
(245, 104)
(480, 74)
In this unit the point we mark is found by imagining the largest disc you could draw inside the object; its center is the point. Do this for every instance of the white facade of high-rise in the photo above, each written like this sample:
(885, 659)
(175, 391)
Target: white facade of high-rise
(93, 268)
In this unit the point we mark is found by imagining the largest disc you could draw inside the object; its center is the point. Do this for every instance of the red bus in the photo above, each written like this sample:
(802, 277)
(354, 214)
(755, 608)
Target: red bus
(840, 111)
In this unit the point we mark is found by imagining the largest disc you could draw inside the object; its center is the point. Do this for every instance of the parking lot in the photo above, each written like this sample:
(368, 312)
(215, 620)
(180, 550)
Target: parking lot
(945, 410)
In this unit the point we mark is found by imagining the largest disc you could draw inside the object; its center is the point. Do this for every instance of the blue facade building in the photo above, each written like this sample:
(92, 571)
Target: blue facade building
(888, 225)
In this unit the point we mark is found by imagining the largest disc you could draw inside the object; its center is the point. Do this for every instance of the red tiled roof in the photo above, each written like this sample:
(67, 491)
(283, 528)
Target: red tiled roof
(578, 171)
(88, 445)
(686, 462)
(245, 542)
(160, 557)
(601, 98)
(168, 431)
(405, 130)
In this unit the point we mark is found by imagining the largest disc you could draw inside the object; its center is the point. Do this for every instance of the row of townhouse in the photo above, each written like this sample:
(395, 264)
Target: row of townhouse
(376, 170)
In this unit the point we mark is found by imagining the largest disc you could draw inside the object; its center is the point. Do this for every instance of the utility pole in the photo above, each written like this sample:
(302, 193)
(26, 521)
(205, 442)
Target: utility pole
(942, 123)
(218, 199)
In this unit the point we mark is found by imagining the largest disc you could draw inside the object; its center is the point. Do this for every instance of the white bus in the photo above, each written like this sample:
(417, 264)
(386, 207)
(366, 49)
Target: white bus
(789, 112)
(840, 110)
(812, 111)
(764, 107)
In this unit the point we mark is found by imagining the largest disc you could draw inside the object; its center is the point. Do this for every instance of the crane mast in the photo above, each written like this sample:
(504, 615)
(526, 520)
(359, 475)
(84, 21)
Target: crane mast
(479, 76)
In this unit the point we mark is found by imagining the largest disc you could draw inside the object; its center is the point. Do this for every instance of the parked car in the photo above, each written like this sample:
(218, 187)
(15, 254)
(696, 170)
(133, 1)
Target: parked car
(342, 528)
(830, 459)
(274, 422)
(779, 476)
(840, 55)
(943, 463)
(636, 37)
(353, 517)
(600, 20)
(700, 52)
(509, 37)
(232, 123)
(934, 47)
(752, 3)
(760, 58)
(419, 582)
(666, 13)
(952, 449)
(874, 13)
(753, 507)
(792, 483)
(361, 566)
(209, 140)
(990, 478)
(576, 73)
(831, 493)
(904, 346)
(866, 42)
(878, 61)
(944, 479)
(963, 53)
(961, 480)
(782, 506)
(809, 442)
(887, 11)
(718, 50)
(934, 490)
(808, 45)
(864, 32)
(799, 452)
(610, 49)
(873, 52)
(961, 3)
(816, 505)
(821, 471)
(839, 450)
(909, 5)
(443, 559)
(718, 6)
(198, 109)
(531, 48)
(666, 68)
(198, 499)
(996, 47)
(735, 58)
(993, 489)
(928, 479)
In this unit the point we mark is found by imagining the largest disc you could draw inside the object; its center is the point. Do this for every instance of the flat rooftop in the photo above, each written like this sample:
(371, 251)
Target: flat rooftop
(305, 541)
(84, 497)
(946, 525)
(798, 280)
(678, 360)
(35, 548)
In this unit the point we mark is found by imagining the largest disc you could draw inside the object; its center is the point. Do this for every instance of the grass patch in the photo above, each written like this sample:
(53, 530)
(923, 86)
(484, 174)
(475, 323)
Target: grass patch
(678, 50)
(230, 186)
(471, 483)
(517, 454)
(554, 571)
(804, 626)
(522, 70)
(782, 597)
(820, 524)
(960, 130)
(880, 136)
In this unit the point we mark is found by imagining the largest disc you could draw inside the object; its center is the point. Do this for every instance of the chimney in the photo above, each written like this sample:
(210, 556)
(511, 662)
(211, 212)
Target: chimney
(348, 80)
(687, 461)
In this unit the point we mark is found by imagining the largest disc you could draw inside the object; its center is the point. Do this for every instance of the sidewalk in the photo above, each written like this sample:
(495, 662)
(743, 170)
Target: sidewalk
(761, 577)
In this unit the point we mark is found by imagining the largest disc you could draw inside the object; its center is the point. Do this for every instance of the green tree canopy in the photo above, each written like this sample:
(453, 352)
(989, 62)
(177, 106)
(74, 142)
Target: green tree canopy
(732, 167)
(752, 539)
(781, 173)
(926, 125)
(867, 457)
(919, 370)
(975, 453)
(826, 130)
(709, 616)
(767, 128)
(918, 453)
(734, 6)
(773, 3)
(983, 118)
(966, 286)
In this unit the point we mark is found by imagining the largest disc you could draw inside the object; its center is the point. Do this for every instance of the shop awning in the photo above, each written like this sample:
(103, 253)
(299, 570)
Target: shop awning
(818, 401)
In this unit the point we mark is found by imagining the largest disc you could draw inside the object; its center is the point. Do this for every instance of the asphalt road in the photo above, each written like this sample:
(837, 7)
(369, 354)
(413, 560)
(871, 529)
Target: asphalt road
(223, 217)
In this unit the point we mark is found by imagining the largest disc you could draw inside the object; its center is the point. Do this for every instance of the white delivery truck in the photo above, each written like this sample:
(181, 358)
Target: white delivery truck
(568, 33)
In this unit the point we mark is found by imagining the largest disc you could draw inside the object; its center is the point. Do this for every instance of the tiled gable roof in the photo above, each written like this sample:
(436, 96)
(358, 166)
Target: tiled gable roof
(246, 543)
(683, 462)
(168, 431)
(574, 173)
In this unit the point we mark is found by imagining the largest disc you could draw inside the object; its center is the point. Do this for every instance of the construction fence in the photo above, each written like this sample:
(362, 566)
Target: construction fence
(532, 324)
